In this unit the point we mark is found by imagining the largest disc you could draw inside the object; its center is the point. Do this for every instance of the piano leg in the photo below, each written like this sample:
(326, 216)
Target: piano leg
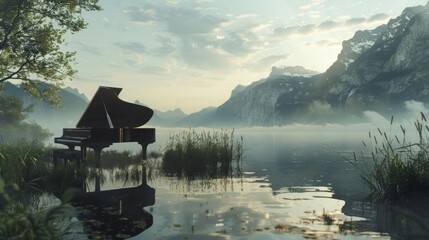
(83, 151)
(97, 181)
(144, 150)
(144, 157)
(97, 151)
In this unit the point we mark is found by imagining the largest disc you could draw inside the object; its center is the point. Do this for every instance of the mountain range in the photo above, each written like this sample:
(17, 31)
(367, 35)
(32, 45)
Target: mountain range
(377, 70)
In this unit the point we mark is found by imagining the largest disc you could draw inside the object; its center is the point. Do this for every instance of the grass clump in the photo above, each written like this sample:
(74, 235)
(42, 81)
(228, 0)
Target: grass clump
(204, 154)
(23, 162)
(25, 173)
(398, 170)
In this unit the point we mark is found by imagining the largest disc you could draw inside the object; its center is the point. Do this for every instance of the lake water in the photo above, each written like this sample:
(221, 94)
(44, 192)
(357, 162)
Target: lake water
(297, 184)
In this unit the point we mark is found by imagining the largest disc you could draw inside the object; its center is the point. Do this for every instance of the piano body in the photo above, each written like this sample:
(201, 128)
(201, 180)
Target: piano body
(108, 120)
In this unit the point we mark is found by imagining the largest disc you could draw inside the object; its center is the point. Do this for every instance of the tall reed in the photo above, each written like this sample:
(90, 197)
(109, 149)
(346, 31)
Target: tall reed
(397, 170)
(203, 154)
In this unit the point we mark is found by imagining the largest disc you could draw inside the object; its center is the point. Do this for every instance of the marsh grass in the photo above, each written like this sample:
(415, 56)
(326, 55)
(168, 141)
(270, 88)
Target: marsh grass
(24, 162)
(20, 219)
(397, 170)
(203, 154)
(26, 172)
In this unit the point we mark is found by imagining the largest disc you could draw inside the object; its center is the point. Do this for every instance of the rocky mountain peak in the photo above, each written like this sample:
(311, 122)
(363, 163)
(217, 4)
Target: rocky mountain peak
(293, 71)
(237, 90)
(383, 38)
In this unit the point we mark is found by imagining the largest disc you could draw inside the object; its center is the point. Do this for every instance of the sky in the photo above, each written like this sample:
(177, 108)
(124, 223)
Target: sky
(191, 54)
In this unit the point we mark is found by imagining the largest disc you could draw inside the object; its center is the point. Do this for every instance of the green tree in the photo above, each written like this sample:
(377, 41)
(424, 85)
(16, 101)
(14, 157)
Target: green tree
(31, 35)
(12, 111)
(12, 122)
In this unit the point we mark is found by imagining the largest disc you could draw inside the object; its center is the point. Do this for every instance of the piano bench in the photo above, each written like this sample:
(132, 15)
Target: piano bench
(66, 154)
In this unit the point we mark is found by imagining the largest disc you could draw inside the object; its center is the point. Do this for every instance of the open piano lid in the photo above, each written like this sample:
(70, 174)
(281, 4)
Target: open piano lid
(106, 110)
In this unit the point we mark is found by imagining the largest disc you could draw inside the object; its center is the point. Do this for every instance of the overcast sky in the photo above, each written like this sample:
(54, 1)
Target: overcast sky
(190, 54)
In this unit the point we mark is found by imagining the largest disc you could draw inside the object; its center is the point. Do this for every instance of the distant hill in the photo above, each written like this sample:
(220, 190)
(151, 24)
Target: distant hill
(54, 119)
(200, 118)
(168, 118)
(74, 104)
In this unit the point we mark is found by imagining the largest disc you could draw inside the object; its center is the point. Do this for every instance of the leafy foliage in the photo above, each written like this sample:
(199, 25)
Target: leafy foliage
(31, 35)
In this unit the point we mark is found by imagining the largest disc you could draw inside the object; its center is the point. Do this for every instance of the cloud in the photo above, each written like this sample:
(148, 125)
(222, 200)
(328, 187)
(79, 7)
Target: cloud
(376, 118)
(210, 41)
(329, 25)
(189, 34)
(136, 47)
(266, 63)
(154, 70)
(144, 14)
(414, 107)
(179, 21)
(203, 56)
(378, 17)
(285, 31)
(306, 29)
(241, 42)
(327, 43)
(288, 31)
(355, 21)
(187, 21)
(89, 48)
(270, 60)
(314, 4)
(166, 46)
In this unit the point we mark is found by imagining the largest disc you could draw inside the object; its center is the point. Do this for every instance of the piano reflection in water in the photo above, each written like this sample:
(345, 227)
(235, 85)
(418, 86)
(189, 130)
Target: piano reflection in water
(106, 120)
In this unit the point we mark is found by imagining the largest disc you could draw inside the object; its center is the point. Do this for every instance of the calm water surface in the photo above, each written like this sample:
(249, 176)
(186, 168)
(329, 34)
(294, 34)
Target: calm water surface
(297, 184)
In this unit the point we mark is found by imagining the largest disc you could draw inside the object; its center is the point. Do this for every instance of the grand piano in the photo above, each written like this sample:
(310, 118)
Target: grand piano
(108, 120)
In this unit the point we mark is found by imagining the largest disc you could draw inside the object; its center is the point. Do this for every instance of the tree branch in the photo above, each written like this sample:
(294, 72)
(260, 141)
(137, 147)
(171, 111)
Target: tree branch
(12, 74)
(14, 22)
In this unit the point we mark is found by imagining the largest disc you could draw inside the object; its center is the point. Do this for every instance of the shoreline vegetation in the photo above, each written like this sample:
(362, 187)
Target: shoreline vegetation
(397, 170)
(189, 155)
